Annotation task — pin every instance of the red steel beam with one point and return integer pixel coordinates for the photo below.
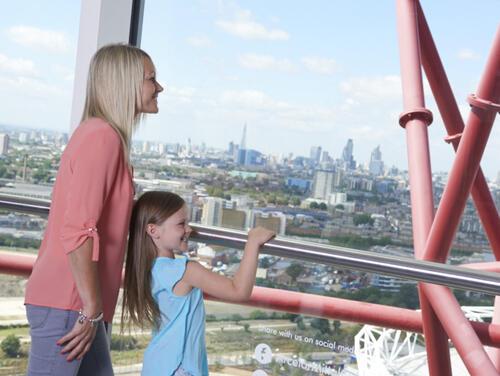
(415, 120)
(463, 174)
(454, 124)
(468, 156)
(302, 303)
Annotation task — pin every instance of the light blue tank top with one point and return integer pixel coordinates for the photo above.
(180, 340)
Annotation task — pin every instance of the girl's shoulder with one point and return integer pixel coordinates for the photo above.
(166, 272)
(170, 263)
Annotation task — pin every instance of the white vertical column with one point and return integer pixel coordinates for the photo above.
(101, 22)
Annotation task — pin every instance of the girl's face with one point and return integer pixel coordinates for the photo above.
(172, 234)
(150, 89)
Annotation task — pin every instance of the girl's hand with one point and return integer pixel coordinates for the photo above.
(260, 235)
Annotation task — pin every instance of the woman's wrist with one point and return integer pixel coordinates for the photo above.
(93, 320)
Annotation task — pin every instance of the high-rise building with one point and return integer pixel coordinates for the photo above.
(376, 164)
(315, 154)
(243, 143)
(233, 218)
(4, 143)
(323, 184)
(162, 148)
(23, 137)
(212, 211)
(274, 221)
(347, 156)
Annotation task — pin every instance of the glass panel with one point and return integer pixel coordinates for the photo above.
(37, 60)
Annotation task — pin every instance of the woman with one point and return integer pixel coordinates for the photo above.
(72, 292)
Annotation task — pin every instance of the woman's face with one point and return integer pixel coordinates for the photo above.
(150, 89)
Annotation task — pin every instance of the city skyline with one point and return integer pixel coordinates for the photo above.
(296, 74)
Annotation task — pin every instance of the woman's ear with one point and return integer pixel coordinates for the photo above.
(151, 230)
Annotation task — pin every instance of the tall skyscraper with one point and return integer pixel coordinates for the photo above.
(315, 154)
(376, 164)
(347, 156)
(323, 184)
(4, 143)
(243, 143)
(212, 211)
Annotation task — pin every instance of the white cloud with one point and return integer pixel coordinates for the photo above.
(265, 111)
(320, 65)
(63, 72)
(21, 67)
(373, 88)
(178, 95)
(30, 87)
(252, 99)
(34, 37)
(266, 62)
(199, 41)
(244, 27)
(467, 54)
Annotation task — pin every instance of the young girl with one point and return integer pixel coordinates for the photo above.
(167, 292)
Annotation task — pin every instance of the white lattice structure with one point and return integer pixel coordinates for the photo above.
(387, 352)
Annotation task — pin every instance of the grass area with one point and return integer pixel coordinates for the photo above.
(22, 331)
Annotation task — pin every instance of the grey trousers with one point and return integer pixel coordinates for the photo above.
(47, 325)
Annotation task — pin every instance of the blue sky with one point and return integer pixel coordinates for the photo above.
(298, 73)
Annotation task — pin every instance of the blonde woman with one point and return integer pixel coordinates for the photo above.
(72, 292)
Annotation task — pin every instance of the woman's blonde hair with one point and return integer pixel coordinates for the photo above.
(114, 89)
(138, 305)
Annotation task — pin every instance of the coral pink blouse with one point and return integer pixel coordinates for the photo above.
(92, 197)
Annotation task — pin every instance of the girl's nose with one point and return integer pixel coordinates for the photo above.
(159, 88)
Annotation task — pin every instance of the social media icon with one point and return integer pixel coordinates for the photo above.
(263, 353)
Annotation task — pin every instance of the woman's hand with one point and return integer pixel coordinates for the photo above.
(260, 235)
(78, 341)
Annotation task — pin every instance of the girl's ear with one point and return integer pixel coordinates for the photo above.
(151, 230)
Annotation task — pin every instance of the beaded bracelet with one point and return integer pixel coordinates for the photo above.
(82, 317)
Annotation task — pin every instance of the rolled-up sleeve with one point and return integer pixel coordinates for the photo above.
(93, 171)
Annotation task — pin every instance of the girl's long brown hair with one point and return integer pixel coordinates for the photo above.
(138, 306)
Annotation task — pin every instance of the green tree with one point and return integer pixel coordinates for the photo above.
(408, 296)
(322, 206)
(265, 263)
(11, 346)
(294, 270)
(258, 315)
(361, 219)
(313, 205)
(236, 318)
(123, 343)
(336, 325)
(322, 325)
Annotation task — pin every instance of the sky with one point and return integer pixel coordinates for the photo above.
(297, 73)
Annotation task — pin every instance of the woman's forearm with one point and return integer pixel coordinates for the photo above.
(85, 274)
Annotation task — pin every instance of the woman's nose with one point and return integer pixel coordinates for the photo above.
(159, 88)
